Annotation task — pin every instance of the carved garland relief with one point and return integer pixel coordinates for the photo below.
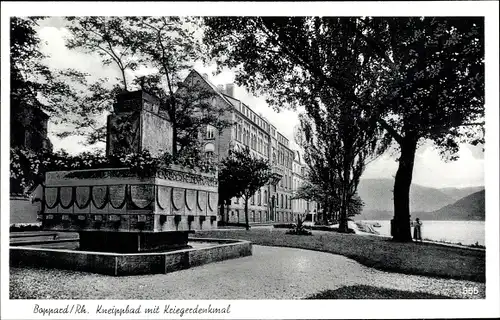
(163, 197)
(202, 201)
(190, 199)
(212, 201)
(138, 196)
(178, 198)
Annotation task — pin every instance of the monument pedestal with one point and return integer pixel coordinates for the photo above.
(118, 210)
(133, 242)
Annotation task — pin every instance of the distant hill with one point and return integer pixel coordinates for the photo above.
(459, 193)
(378, 197)
(471, 207)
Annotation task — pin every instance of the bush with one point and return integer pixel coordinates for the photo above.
(301, 232)
(299, 229)
(22, 227)
(27, 169)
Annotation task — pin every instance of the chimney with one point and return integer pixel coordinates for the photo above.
(220, 87)
(205, 76)
(230, 89)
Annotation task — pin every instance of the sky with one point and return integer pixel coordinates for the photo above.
(430, 170)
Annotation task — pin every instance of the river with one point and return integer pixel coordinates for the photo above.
(465, 232)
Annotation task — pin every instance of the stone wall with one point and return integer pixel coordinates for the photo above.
(117, 200)
(157, 133)
(137, 124)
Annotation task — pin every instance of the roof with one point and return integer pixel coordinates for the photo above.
(212, 86)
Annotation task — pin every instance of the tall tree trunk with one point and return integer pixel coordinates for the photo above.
(172, 105)
(344, 201)
(247, 225)
(326, 207)
(402, 184)
(343, 227)
(125, 88)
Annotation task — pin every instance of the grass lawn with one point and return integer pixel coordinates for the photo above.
(409, 258)
(369, 292)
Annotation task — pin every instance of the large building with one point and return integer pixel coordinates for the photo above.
(273, 202)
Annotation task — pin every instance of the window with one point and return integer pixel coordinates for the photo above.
(265, 197)
(281, 200)
(209, 149)
(239, 132)
(260, 197)
(253, 199)
(210, 132)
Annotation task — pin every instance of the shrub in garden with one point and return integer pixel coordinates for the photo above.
(299, 229)
(27, 169)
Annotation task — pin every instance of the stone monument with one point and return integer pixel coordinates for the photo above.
(115, 210)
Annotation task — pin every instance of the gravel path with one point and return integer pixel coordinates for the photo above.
(271, 273)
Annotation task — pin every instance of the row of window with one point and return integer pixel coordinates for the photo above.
(253, 117)
(260, 198)
(285, 158)
(260, 216)
(251, 139)
(286, 202)
(282, 139)
(286, 182)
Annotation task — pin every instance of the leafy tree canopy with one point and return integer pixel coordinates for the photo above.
(167, 49)
(421, 78)
(242, 175)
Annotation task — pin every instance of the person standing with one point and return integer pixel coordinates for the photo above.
(417, 230)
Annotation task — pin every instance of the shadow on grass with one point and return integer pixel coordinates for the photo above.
(424, 259)
(369, 292)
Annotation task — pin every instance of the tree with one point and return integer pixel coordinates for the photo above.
(340, 136)
(167, 49)
(112, 38)
(242, 175)
(435, 91)
(355, 206)
(425, 77)
(36, 90)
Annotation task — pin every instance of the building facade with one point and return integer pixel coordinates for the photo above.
(307, 209)
(273, 202)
